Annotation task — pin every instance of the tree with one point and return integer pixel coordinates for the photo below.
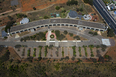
(110, 33)
(65, 32)
(34, 8)
(9, 24)
(57, 8)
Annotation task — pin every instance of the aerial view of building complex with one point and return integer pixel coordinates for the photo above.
(57, 38)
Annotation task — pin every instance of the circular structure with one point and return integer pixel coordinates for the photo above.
(24, 21)
(51, 36)
(73, 14)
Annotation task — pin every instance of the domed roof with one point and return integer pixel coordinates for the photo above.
(73, 14)
(24, 21)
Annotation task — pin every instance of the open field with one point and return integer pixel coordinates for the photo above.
(112, 52)
(28, 5)
(5, 5)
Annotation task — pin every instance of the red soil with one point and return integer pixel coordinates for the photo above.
(28, 5)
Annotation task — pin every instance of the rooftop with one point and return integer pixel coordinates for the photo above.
(24, 21)
(106, 42)
(66, 21)
(73, 14)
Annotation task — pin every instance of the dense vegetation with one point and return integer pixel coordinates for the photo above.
(89, 1)
(72, 2)
(110, 32)
(9, 25)
(38, 36)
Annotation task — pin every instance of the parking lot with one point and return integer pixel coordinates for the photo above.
(58, 53)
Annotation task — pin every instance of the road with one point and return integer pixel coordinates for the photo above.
(101, 8)
(96, 40)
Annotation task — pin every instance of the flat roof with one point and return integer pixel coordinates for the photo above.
(106, 42)
(52, 21)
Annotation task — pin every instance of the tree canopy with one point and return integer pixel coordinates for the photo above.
(110, 32)
(72, 2)
(89, 1)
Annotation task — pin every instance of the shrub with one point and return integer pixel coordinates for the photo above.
(46, 17)
(52, 36)
(57, 66)
(61, 37)
(28, 52)
(21, 15)
(17, 46)
(57, 8)
(63, 53)
(71, 34)
(76, 37)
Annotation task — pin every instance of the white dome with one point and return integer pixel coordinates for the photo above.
(24, 21)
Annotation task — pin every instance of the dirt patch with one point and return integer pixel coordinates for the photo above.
(13, 54)
(112, 52)
(28, 5)
(2, 51)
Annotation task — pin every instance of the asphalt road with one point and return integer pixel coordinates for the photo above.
(91, 40)
(101, 8)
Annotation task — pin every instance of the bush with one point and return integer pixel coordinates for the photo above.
(63, 11)
(76, 37)
(17, 46)
(21, 15)
(52, 36)
(62, 53)
(28, 53)
(65, 32)
(57, 66)
(46, 17)
(81, 9)
(103, 47)
(95, 33)
(61, 37)
(57, 8)
(71, 34)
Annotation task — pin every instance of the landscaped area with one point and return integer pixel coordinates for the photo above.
(59, 35)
